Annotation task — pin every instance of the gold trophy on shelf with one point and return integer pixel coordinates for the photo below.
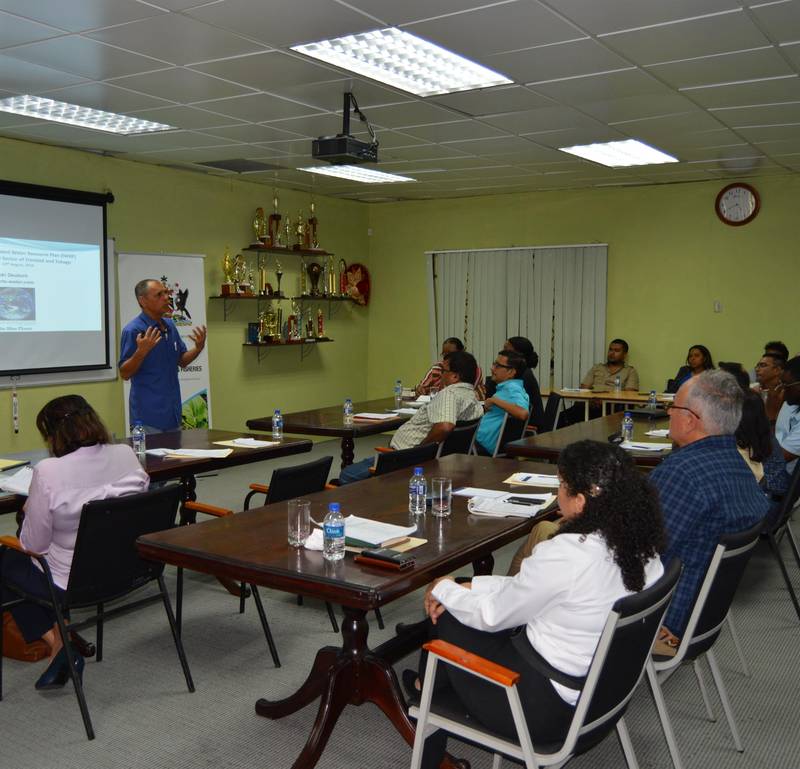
(274, 238)
(227, 273)
(330, 277)
(263, 285)
(239, 274)
(278, 275)
(260, 229)
(314, 271)
(312, 241)
(320, 323)
(299, 232)
(303, 281)
(287, 233)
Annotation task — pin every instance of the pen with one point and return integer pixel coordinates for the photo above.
(526, 477)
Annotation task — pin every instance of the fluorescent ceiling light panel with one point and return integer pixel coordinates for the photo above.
(358, 174)
(404, 61)
(620, 154)
(74, 114)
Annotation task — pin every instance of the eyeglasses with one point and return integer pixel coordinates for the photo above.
(672, 406)
(497, 364)
(785, 386)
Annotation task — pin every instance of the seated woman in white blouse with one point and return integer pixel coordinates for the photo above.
(607, 547)
(84, 466)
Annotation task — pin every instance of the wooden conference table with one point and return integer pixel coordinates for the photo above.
(251, 547)
(610, 397)
(549, 445)
(329, 421)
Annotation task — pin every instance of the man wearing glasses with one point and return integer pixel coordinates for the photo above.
(768, 376)
(509, 398)
(787, 427)
(705, 487)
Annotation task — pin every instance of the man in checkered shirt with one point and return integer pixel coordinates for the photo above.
(705, 487)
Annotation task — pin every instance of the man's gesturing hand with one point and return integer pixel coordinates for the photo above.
(148, 340)
(198, 336)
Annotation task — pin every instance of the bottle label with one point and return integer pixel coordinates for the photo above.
(333, 531)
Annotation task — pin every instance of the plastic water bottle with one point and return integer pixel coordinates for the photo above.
(652, 401)
(627, 427)
(417, 492)
(139, 440)
(617, 383)
(398, 393)
(347, 412)
(277, 425)
(333, 534)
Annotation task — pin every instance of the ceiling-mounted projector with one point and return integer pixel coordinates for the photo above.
(344, 149)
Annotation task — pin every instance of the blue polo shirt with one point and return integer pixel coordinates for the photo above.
(511, 391)
(155, 397)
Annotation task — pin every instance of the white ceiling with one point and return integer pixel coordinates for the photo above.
(714, 82)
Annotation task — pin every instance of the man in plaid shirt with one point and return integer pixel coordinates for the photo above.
(705, 487)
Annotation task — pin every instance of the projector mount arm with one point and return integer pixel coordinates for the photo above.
(351, 103)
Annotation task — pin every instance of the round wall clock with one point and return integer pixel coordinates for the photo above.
(737, 204)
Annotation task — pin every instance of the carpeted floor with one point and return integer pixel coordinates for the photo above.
(145, 718)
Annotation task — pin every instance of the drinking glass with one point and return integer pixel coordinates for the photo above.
(299, 521)
(441, 496)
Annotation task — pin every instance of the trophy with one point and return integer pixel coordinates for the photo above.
(227, 273)
(263, 289)
(262, 325)
(279, 275)
(287, 232)
(320, 324)
(303, 283)
(330, 277)
(260, 228)
(274, 234)
(299, 232)
(239, 273)
(309, 327)
(293, 324)
(312, 241)
(342, 278)
(314, 271)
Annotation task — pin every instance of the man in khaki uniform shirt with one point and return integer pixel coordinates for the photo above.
(603, 375)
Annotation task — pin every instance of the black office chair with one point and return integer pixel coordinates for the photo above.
(513, 430)
(106, 567)
(551, 413)
(779, 526)
(389, 461)
(617, 668)
(460, 440)
(706, 620)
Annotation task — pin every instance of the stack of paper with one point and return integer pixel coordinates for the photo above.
(375, 415)
(247, 443)
(19, 482)
(404, 411)
(658, 433)
(501, 507)
(367, 533)
(190, 453)
(533, 479)
(643, 446)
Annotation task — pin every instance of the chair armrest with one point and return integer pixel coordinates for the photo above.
(472, 662)
(200, 507)
(259, 487)
(13, 543)
(383, 449)
(330, 487)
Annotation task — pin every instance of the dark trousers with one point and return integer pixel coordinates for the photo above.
(33, 620)
(548, 716)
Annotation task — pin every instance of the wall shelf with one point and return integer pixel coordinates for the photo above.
(297, 251)
(278, 298)
(305, 345)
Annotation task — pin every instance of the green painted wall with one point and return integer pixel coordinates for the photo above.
(669, 259)
(158, 209)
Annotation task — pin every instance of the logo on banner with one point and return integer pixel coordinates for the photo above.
(178, 301)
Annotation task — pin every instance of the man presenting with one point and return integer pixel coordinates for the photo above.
(705, 487)
(151, 350)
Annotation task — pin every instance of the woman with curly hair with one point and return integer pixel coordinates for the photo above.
(556, 607)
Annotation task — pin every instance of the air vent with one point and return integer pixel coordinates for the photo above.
(240, 166)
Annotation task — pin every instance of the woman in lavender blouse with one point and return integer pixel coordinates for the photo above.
(84, 466)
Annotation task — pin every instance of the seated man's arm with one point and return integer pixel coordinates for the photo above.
(587, 383)
(439, 431)
(788, 456)
(632, 383)
(517, 412)
(789, 442)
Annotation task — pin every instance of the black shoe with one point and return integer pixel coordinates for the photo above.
(410, 678)
(57, 673)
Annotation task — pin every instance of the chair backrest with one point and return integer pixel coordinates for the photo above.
(395, 460)
(298, 480)
(106, 564)
(551, 412)
(620, 658)
(716, 594)
(513, 430)
(460, 439)
(789, 500)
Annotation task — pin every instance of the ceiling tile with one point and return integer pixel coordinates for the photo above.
(257, 108)
(543, 119)
(681, 40)
(551, 62)
(84, 57)
(718, 153)
(209, 154)
(284, 22)
(502, 145)
(740, 94)
(765, 114)
(188, 118)
(393, 13)
(722, 68)
(177, 39)
(423, 152)
(760, 134)
(793, 53)
(312, 126)
(248, 133)
(505, 27)
(464, 129)
(601, 17)
(269, 70)
(410, 114)
(490, 101)
(181, 85)
(21, 77)
(568, 137)
(390, 139)
(292, 147)
(636, 107)
(104, 96)
(80, 15)
(328, 95)
(17, 31)
(610, 85)
(779, 148)
(781, 21)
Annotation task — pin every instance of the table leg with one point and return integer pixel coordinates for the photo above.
(348, 453)
(483, 566)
